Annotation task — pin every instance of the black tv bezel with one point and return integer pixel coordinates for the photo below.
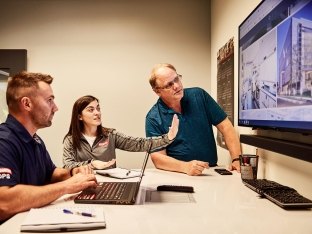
(259, 126)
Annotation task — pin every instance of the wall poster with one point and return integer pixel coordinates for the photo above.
(3, 85)
(225, 83)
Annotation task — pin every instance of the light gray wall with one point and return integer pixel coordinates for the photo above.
(107, 48)
(226, 16)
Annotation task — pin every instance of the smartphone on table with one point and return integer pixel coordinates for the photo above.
(223, 171)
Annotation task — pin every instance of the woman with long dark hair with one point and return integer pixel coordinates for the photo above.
(89, 143)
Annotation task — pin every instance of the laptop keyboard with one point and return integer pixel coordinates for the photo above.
(111, 191)
(283, 196)
(105, 191)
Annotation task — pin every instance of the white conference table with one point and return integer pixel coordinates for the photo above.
(222, 205)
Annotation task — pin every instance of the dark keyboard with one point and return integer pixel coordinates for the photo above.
(106, 190)
(111, 191)
(281, 195)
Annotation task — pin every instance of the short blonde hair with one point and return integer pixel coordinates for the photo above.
(153, 76)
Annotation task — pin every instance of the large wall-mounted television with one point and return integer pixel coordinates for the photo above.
(275, 66)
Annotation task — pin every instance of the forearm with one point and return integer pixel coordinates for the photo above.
(23, 197)
(60, 174)
(165, 162)
(233, 145)
(230, 137)
(139, 144)
(71, 164)
(161, 141)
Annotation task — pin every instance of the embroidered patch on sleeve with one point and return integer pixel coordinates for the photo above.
(5, 173)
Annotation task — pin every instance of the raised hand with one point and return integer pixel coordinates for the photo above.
(173, 130)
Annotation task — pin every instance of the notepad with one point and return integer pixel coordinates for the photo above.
(119, 173)
(53, 219)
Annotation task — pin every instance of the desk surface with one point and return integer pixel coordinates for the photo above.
(222, 205)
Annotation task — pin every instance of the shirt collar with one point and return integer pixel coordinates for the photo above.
(96, 138)
(19, 129)
(167, 110)
(164, 108)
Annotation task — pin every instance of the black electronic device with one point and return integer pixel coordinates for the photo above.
(223, 171)
(274, 57)
(284, 196)
(110, 192)
(176, 188)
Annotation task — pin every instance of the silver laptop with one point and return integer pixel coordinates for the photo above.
(119, 193)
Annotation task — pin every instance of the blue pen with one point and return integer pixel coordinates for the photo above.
(78, 213)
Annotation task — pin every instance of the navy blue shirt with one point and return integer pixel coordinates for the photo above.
(195, 139)
(23, 159)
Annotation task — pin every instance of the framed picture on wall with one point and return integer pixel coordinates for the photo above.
(12, 61)
(225, 82)
(3, 85)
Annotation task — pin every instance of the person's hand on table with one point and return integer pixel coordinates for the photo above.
(195, 167)
(79, 182)
(99, 165)
(235, 166)
(82, 169)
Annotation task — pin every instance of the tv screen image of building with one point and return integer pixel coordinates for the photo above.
(275, 66)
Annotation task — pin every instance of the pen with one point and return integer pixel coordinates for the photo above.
(128, 173)
(78, 213)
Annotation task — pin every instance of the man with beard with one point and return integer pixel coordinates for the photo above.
(28, 177)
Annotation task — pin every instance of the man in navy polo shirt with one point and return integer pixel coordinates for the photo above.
(28, 177)
(194, 148)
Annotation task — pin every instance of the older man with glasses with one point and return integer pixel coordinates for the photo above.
(194, 148)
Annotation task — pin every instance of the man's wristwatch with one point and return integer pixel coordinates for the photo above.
(71, 171)
(235, 159)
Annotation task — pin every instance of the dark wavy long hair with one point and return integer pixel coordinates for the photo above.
(76, 125)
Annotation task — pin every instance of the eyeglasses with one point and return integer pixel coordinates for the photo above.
(170, 84)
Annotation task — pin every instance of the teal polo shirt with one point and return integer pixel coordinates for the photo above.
(195, 139)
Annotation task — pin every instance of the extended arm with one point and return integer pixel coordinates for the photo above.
(231, 141)
(18, 198)
(138, 144)
(162, 161)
